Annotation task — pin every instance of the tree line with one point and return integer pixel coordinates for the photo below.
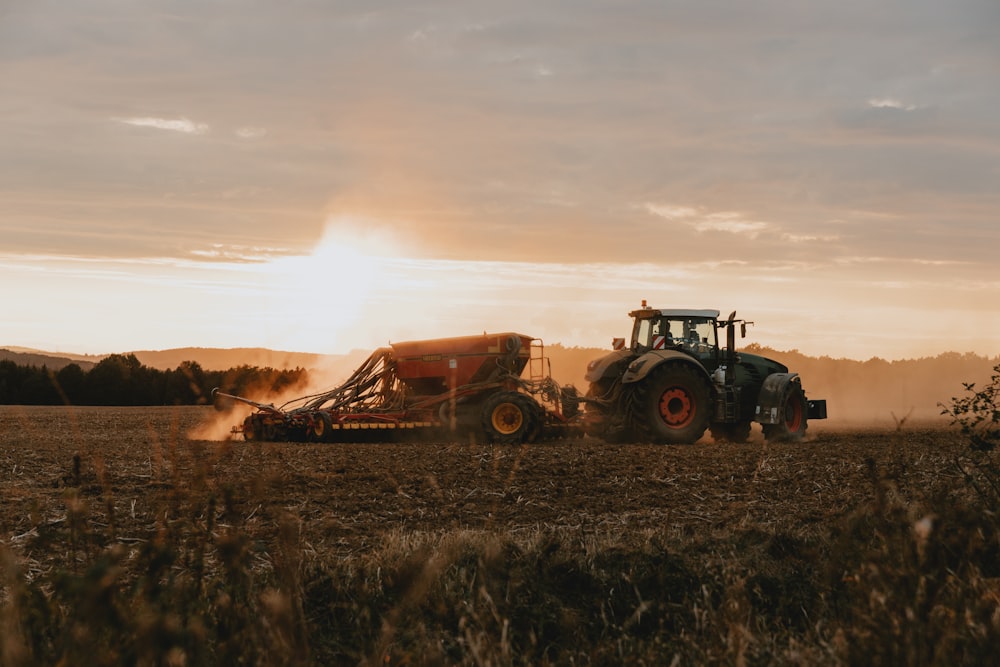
(124, 380)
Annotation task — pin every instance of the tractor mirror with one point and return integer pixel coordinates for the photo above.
(743, 330)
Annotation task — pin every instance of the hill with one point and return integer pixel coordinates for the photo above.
(207, 357)
(23, 356)
(223, 358)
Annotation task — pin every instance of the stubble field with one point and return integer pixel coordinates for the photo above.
(570, 552)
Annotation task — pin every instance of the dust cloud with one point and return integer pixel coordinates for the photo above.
(323, 375)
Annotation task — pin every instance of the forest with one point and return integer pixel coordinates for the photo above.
(122, 380)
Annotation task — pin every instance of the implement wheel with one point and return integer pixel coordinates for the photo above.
(793, 427)
(670, 406)
(321, 428)
(510, 418)
(250, 431)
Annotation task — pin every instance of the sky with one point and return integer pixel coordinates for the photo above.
(325, 176)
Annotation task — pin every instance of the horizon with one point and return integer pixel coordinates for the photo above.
(335, 178)
(857, 391)
(69, 354)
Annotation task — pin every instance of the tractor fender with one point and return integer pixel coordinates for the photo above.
(599, 368)
(771, 399)
(645, 364)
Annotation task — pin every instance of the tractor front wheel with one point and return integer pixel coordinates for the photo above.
(793, 427)
(510, 418)
(671, 405)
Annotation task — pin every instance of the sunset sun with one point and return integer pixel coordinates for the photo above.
(319, 296)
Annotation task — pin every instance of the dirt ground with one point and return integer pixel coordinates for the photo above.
(125, 462)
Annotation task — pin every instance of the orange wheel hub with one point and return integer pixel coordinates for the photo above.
(676, 407)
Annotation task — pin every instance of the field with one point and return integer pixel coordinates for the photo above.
(127, 542)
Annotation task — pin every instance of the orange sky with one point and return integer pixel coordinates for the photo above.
(321, 179)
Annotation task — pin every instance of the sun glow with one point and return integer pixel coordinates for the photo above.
(317, 298)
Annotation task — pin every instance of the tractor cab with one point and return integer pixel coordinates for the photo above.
(689, 331)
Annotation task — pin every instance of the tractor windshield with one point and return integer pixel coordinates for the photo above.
(695, 334)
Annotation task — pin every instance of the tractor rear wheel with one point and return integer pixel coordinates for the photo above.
(510, 418)
(670, 406)
(793, 427)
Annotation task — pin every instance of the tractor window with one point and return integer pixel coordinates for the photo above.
(644, 333)
(694, 334)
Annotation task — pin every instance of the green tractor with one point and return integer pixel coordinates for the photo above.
(674, 381)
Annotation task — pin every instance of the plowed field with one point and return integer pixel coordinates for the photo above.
(123, 540)
(125, 461)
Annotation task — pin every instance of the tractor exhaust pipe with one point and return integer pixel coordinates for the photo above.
(731, 349)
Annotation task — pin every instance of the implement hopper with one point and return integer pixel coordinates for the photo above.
(430, 367)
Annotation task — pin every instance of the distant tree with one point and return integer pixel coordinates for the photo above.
(252, 381)
(240, 380)
(112, 382)
(10, 382)
(185, 385)
(288, 379)
(146, 384)
(37, 387)
(70, 381)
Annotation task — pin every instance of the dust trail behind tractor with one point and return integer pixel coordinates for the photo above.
(463, 387)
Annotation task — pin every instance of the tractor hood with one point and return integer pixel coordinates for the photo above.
(600, 367)
(764, 365)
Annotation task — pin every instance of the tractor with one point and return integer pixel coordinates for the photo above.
(674, 381)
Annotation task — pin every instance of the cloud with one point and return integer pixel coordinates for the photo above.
(221, 252)
(671, 212)
(250, 132)
(860, 259)
(730, 222)
(890, 103)
(809, 238)
(182, 125)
